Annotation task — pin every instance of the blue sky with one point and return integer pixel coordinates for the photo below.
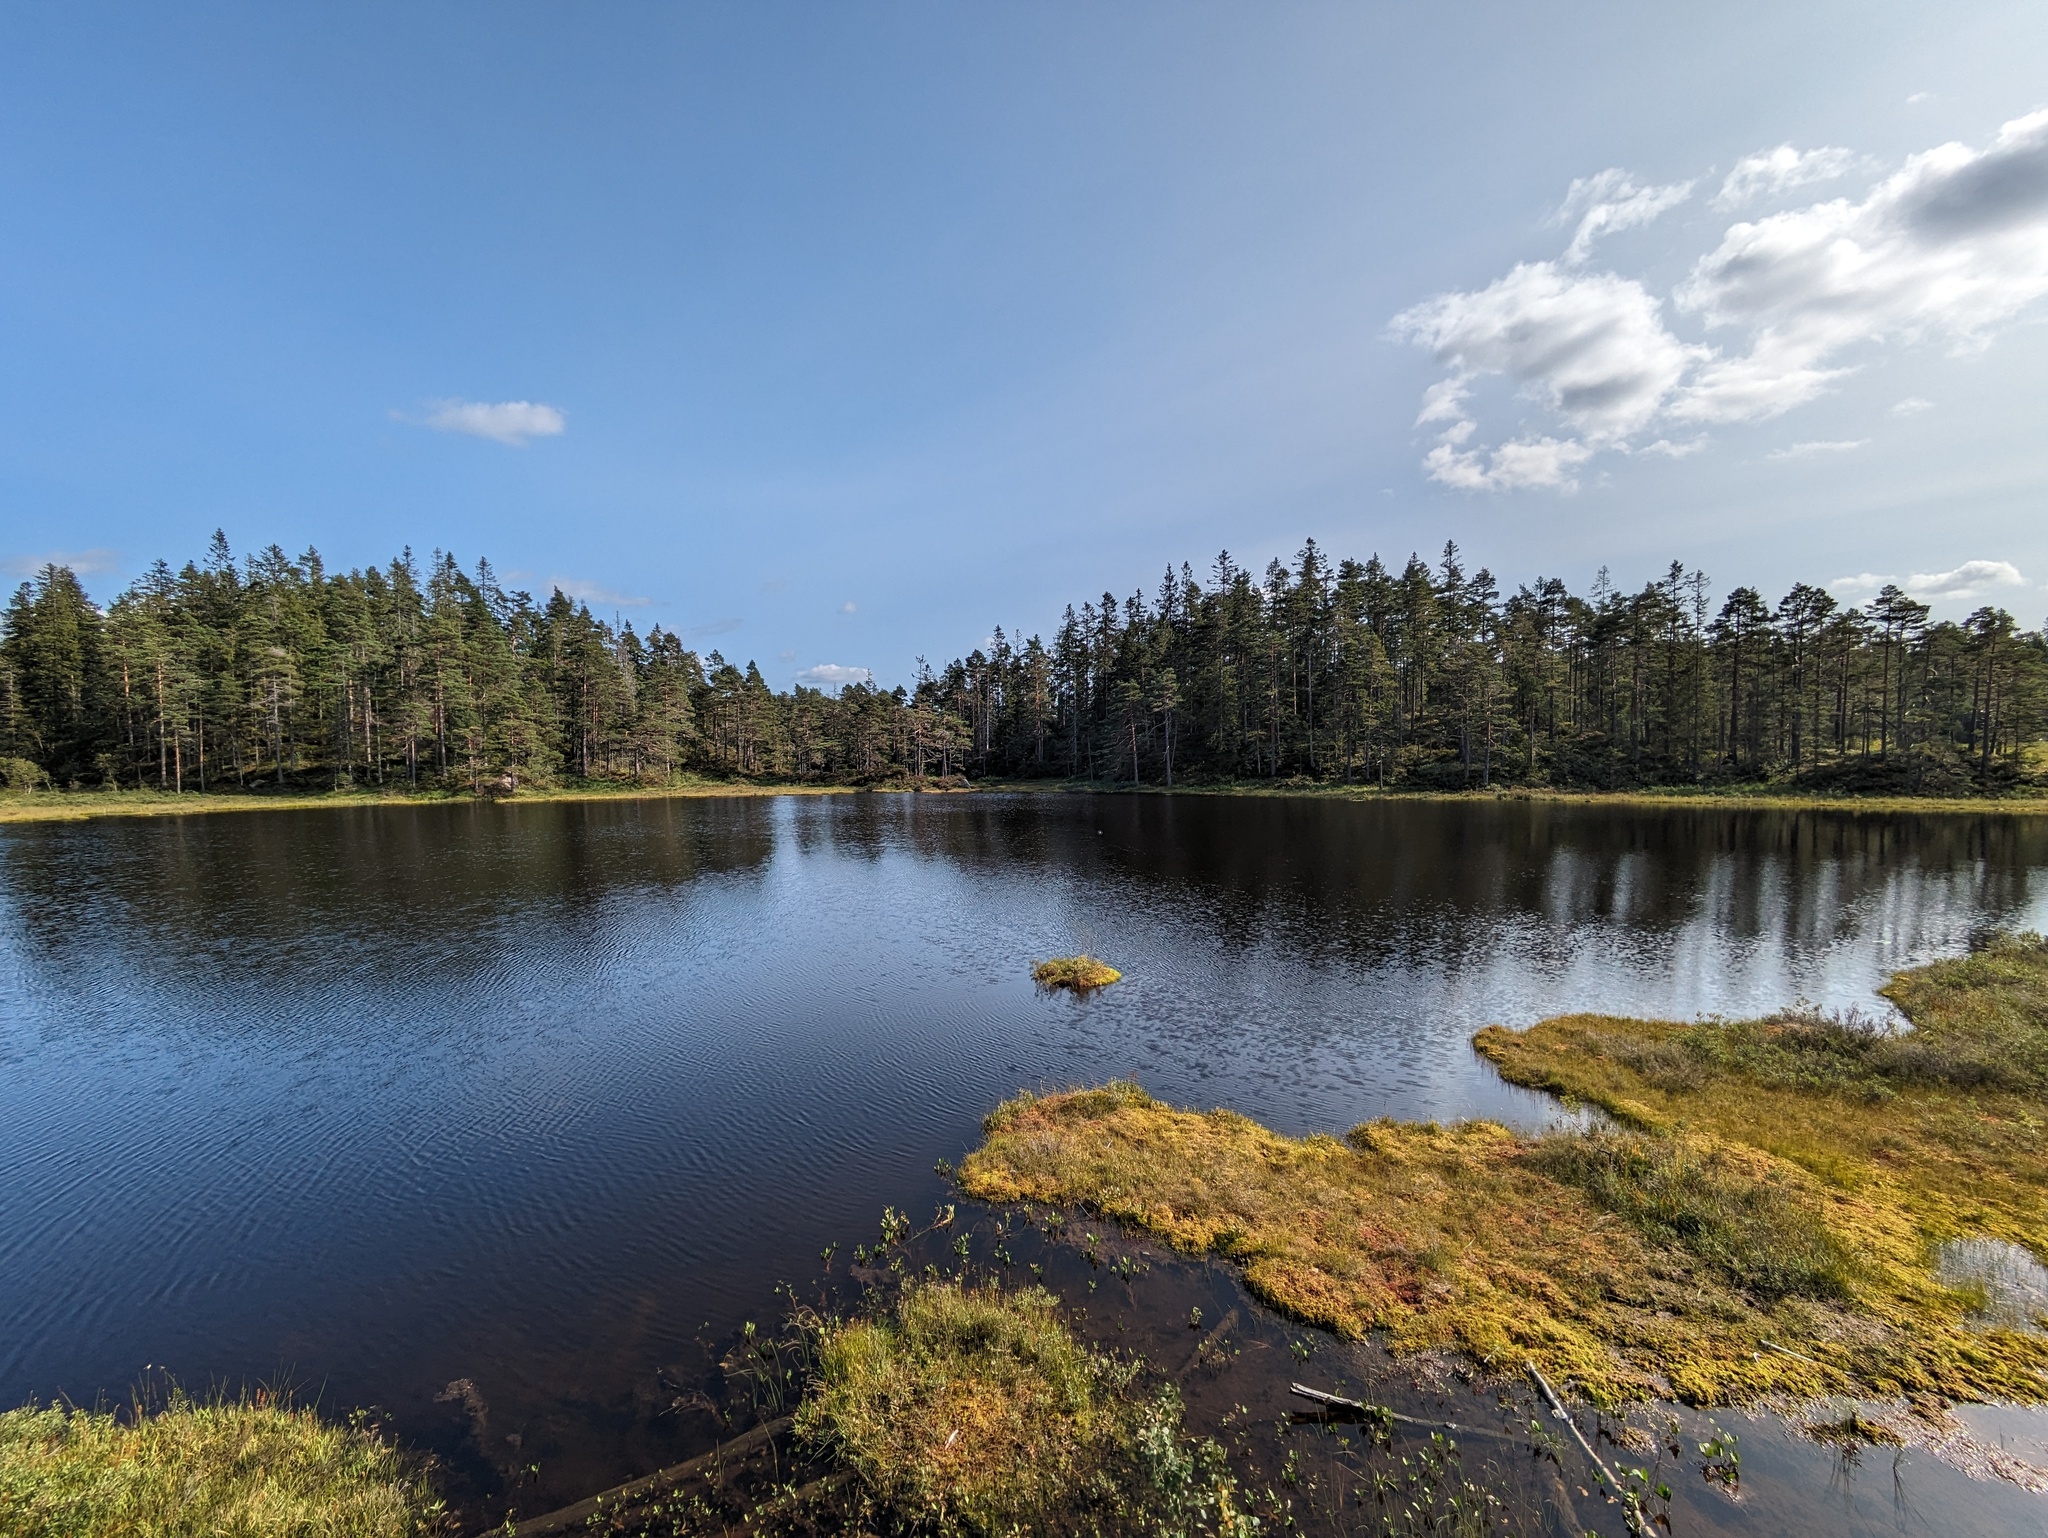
(835, 334)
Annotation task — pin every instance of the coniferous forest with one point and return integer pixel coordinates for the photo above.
(275, 672)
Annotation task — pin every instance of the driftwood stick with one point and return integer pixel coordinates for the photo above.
(1339, 1402)
(1614, 1486)
(1771, 1345)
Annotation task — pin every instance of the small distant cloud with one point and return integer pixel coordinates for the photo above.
(847, 607)
(1918, 97)
(1912, 406)
(1609, 201)
(710, 628)
(86, 563)
(1972, 579)
(507, 422)
(1819, 446)
(1771, 173)
(785, 656)
(832, 675)
(592, 592)
(1680, 450)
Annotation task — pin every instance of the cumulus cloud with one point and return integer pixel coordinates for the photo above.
(592, 592)
(1972, 579)
(1610, 201)
(1948, 248)
(509, 422)
(1969, 581)
(1912, 406)
(1818, 446)
(85, 563)
(1593, 347)
(1773, 173)
(832, 675)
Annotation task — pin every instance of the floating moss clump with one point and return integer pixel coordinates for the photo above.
(975, 1411)
(245, 1467)
(1077, 974)
(1767, 1219)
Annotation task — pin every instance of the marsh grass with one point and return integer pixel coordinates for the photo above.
(1077, 974)
(971, 1410)
(1743, 1216)
(1766, 1220)
(223, 1468)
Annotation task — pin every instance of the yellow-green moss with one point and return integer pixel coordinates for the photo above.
(1765, 1203)
(1077, 974)
(231, 1469)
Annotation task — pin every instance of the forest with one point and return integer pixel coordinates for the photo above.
(273, 672)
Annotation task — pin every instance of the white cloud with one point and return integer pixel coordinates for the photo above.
(84, 563)
(1949, 247)
(1919, 97)
(847, 607)
(1772, 173)
(510, 422)
(1972, 579)
(591, 592)
(832, 675)
(1912, 406)
(1610, 201)
(1592, 347)
(1522, 464)
(1819, 446)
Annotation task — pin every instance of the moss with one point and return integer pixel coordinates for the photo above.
(247, 1469)
(972, 1410)
(1775, 1184)
(1077, 974)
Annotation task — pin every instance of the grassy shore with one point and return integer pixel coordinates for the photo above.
(1765, 1215)
(247, 1468)
(1749, 797)
(79, 805)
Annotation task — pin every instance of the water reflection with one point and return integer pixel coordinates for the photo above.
(540, 1096)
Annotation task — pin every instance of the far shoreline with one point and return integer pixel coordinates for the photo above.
(41, 806)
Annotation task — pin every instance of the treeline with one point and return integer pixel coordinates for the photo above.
(276, 672)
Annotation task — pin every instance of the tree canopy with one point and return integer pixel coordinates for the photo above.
(275, 671)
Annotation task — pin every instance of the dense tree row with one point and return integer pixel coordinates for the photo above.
(275, 671)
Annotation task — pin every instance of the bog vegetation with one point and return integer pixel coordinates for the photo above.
(1076, 974)
(243, 1468)
(274, 671)
(1764, 1213)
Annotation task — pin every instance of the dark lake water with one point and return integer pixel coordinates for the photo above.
(549, 1097)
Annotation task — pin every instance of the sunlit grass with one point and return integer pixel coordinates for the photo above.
(243, 1468)
(976, 1411)
(1777, 1187)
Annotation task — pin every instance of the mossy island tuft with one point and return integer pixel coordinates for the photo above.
(1076, 974)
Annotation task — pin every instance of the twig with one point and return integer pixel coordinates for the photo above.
(1635, 1521)
(1339, 1402)
(1809, 1361)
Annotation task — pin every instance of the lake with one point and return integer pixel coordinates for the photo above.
(546, 1099)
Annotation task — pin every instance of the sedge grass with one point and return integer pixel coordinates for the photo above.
(974, 1411)
(243, 1468)
(1076, 974)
